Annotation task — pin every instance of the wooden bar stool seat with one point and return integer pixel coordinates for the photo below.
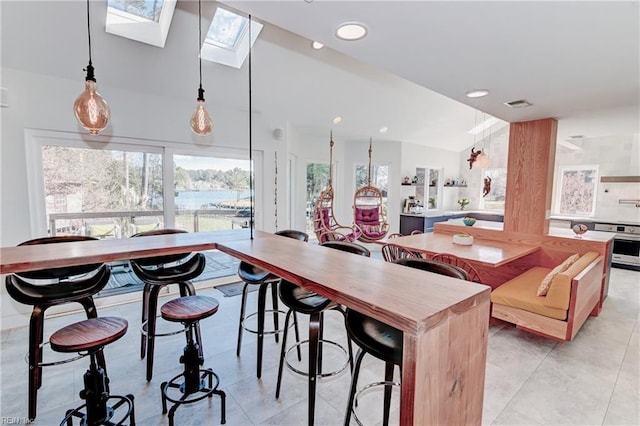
(194, 383)
(92, 335)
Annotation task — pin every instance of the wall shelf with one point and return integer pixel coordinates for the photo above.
(455, 186)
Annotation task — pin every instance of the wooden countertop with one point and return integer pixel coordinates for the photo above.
(483, 251)
(407, 298)
(29, 258)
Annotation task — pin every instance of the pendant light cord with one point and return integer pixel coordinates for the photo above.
(89, 69)
(200, 89)
(250, 140)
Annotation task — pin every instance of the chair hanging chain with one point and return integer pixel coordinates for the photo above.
(330, 158)
(250, 140)
(369, 170)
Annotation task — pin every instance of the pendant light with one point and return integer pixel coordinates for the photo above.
(483, 159)
(201, 123)
(91, 110)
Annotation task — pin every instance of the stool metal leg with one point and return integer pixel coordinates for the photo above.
(151, 327)
(262, 296)
(274, 302)
(315, 324)
(388, 377)
(36, 331)
(243, 306)
(283, 350)
(145, 317)
(354, 384)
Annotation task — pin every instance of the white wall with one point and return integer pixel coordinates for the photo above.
(615, 156)
(413, 155)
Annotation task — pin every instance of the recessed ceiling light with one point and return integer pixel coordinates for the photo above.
(317, 45)
(337, 120)
(351, 31)
(384, 129)
(478, 93)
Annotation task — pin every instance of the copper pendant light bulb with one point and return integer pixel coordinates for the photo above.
(201, 123)
(482, 161)
(90, 109)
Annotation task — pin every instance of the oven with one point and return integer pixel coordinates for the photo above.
(626, 245)
(626, 249)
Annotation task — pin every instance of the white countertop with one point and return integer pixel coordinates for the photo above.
(441, 213)
(593, 219)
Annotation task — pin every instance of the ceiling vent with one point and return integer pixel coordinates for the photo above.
(518, 104)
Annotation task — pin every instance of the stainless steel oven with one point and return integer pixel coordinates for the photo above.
(626, 244)
(626, 249)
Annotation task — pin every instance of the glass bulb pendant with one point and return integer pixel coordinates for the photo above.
(482, 161)
(91, 110)
(201, 123)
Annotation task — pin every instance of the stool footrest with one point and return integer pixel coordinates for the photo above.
(321, 342)
(206, 390)
(365, 389)
(267, 311)
(111, 412)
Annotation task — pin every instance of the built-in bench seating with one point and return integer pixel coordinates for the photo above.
(573, 295)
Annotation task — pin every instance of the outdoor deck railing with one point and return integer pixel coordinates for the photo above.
(121, 224)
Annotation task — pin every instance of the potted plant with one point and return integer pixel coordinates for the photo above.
(463, 202)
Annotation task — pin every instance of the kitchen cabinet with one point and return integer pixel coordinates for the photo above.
(413, 222)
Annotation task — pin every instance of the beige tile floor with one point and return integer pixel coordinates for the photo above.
(529, 380)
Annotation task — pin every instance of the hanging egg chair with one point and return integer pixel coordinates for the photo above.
(325, 225)
(368, 212)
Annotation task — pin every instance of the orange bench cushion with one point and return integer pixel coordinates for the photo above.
(520, 292)
(560, 291)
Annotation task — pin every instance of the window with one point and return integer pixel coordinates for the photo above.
(577, 190)
(147, 21)
(226, 40)
(101, 193)
(317, 180)
(494, 200)
(211, 194)
(379, 179)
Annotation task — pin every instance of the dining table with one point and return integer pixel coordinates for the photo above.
(444, 320)
(486, 252)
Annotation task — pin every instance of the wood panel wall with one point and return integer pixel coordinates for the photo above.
(530, 167)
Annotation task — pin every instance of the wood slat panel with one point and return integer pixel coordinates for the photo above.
(530, 166)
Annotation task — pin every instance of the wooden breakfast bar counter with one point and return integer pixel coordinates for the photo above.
(444, 320)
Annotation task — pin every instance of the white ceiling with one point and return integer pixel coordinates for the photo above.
(576, 61)
(567, 58)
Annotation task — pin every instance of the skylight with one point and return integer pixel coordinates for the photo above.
(145, 9)
(226, 40)
(146, 21)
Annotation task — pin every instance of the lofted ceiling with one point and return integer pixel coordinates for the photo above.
(567, 58)
(575, 61)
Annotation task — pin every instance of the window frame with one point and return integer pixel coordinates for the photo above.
(35, 139)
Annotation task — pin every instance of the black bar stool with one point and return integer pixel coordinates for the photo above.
(92, 336)
(384, 341)
(252, 275)
(50, 287)
(188, 311)
(300, 300)
(156, 273)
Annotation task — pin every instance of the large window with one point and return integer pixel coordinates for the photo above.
(577, 190)
(99, 192)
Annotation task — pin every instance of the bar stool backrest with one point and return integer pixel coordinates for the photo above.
(159, 260)
(58, 273)
(435, 267)
(292, 233)
(348, 247)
